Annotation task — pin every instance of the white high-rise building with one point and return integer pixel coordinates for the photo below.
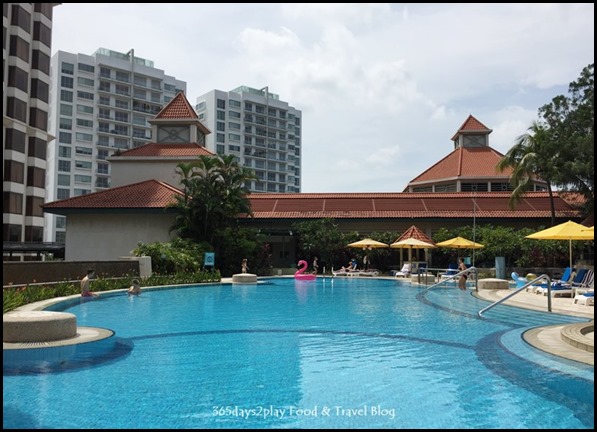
(262, 131)
(26, 52)
(99, 104)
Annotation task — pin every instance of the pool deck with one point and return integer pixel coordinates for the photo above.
(562, 340)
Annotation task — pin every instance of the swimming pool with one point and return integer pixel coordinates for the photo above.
(336, 353)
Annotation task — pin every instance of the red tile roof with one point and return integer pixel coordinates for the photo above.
(471, 125)
(149, 194)
(167, 150)
(416, 233)
(178, 108)
(154, 194)
(475, 162)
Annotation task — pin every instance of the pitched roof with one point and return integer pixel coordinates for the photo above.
(149, 194)
(167, 150)
(416, 233)
(178, 108)
(405, 205)
(472, 125)
(474, 162)
(155, 194)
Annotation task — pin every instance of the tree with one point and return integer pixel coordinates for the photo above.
(531, 157)
(571, 123)
(214, 195)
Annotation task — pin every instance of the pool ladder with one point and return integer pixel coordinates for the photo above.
(544, 277)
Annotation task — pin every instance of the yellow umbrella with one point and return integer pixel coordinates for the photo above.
(565, 231)
(368, 244)
(460, 243)
(410, 244)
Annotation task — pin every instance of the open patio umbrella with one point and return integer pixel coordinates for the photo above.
(410, 244)
(368, 244)
(565, 231)
(460, 243)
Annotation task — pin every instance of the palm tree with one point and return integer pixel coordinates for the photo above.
(214, 195)
(531, 158)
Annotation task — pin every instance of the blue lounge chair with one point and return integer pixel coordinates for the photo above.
(561, 289)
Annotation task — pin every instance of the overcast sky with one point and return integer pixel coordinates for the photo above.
(382, 87)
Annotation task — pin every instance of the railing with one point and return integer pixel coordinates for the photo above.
(544, 276)
(457, 275)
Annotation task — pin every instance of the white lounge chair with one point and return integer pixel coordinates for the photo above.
(405, 271)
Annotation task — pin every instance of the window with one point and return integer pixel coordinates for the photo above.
(14, 171)
(33, 207)
(15, 140)
(84, 151)
(105, 72)
(37, 148)
(234, 148)
(221, 126)
(85, 123)
(200, 106)
(102, 182)
(16, 108)
(121, 129)
(82, 178)
(86, 68)
(42, 33)
(83, 137)
(85, 95)
(62, 194)
(36, 177)
(66, 109)
(103, 168)
(234, 103)
(234, 137)
(220, 138)
(66, 123)
(66, 96)
(40, 61)
(61, 220)
(169, 87)
(12, 232)
(234, 114)
(63, 180)
(67, 82)
(65, 137)
(104, 100)
(122, 76)
(64, 166)
(79, 192)
(221, 104)
(121, 116)
(20, 48)
(64, 152)
(82, 165)
(102, 154)
(34, 233)
(235, 126)
(18, 78)
(84, 109)
(38, 118)
(44, 8)
(121, 104)
(221, 115)
(139, 120)
(85, 81)
(13, 203)
(21, 18)
(60, 235)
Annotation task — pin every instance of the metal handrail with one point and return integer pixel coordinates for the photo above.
(457, 275)
(544, 276)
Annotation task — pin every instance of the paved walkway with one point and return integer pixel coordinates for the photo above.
(549, 338)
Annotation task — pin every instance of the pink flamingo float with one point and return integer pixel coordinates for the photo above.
(300, 275)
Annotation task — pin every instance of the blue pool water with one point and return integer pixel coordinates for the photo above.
(336, 353)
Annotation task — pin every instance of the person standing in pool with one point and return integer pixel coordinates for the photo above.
(462, 267)
(85, 284)
(135, 288)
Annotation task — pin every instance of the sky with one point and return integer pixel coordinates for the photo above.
(382, 87)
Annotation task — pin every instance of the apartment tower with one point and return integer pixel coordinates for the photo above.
(26, 53)
(262, 131)
(99, 104)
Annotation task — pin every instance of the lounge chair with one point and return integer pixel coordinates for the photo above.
(588, 298)
(564, 279)
(351, 270)
(564, 289)
(405, 271)
(451, 271)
